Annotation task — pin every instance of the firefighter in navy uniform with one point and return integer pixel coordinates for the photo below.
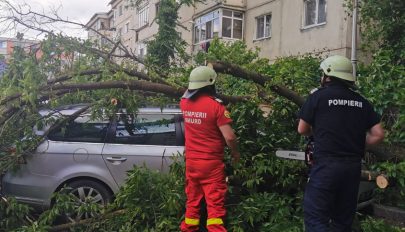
(342, 123)
(207, 132)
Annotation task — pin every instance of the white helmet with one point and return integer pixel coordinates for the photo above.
(339, 67)
(200, 77)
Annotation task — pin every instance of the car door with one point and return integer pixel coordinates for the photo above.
(145, 139)
(77, 144)
(70, 150)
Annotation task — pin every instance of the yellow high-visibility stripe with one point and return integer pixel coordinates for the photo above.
(191, 221)
(215, 221)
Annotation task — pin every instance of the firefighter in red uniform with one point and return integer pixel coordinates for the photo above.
(207, 131)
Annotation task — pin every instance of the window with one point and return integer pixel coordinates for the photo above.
(232, 22)
(263, 26)
(150, 129)
(114, 18)
(3, 44)
(157, 8)
(315, 12)
(120, 10)
(208, 26)
(143, 14)
(98, 25)
(142, 49)
(81, 130)
(126, 28)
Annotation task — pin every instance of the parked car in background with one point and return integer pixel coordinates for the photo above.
(92, 157)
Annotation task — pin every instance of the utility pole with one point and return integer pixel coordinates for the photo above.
(354, 38)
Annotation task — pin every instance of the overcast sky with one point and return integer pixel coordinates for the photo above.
(73, 10)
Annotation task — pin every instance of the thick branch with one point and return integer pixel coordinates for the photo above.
(70, 76)
(263, 80)
(135, 85)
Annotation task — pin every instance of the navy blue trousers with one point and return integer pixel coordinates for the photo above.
(330, 198)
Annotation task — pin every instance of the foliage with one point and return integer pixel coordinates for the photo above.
(232, 52)
(266, 212)
(167, 43)
(12, 214)
(382, 82)
(153, 202)
(372, 225)
(383, 24)
(395, 194)
(299, 73)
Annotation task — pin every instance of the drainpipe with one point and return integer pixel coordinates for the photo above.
(354, 38)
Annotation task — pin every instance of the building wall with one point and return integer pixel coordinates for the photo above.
(288, 36)
(100, 23)
(124, 14)
(186, 15)
(8, 45)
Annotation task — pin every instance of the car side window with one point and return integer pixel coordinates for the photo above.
(81, 130)
(146, 129)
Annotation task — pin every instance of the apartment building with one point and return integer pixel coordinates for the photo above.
(99, 27)
(278, 27)
(7, 46)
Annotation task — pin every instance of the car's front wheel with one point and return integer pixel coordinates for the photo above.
(85, 194)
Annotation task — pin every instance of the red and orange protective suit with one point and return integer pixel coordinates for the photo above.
(205, 169)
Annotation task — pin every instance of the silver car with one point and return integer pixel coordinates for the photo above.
(92, 157)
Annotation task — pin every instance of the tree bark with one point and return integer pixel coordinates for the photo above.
(263, 80)
(136, 85)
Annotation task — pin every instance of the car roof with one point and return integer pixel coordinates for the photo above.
(71, 109)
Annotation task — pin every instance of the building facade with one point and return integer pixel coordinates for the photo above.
(101, 25)
(7, 46)
(278, 27)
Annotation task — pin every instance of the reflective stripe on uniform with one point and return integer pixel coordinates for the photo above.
(215, 221)
(191, 221)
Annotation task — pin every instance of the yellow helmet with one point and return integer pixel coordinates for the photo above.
(200, 77)
(339, 67)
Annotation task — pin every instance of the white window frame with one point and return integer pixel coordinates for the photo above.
(142, 47)
(216, 15)
(143, 14)
(97, 24)
(316, 23)
(233, 18)
(126, 28)
(120, 12)
(3, 44)
(112, 23)
(265, 16)
(202, 21)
